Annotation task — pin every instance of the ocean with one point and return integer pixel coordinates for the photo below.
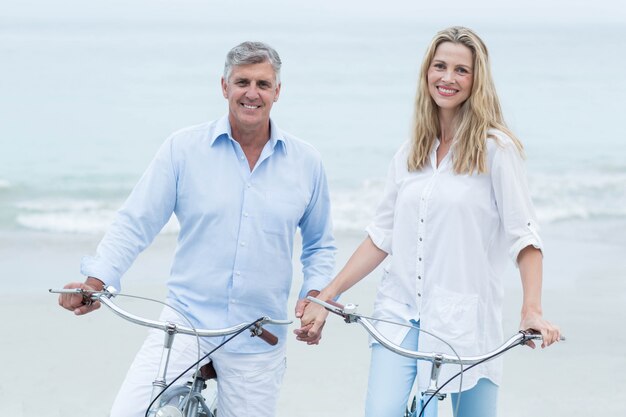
(89, 91)
(88, 98)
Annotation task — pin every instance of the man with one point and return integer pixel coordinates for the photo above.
(239, 187)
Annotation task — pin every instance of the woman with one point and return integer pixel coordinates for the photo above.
(456, 206)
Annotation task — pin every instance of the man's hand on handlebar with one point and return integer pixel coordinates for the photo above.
(81, 303)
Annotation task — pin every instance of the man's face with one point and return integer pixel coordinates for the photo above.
(251, 90)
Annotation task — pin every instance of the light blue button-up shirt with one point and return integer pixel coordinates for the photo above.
(233, 261)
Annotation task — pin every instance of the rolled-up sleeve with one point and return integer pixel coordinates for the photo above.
(513, 200)
(380, 230)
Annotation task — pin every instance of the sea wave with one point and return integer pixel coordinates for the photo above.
(4, 184)
(557, 197)
(354, 208)
(579, 195)
(72, 216)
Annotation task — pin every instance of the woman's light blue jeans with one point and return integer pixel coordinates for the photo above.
(391, 379)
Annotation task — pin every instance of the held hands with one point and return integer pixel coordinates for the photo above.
(312, 319)
(77, 302)
(535, 321)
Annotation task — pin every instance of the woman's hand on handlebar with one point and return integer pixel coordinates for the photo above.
(81, 303)
(535, 321)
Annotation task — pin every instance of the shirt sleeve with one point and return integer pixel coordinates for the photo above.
(141, 218)
(513, 200)
(318, 243)
(380, 230)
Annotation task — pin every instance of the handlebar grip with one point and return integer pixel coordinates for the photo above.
(267, 336)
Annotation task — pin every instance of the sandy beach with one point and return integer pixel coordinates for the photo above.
(55, 364)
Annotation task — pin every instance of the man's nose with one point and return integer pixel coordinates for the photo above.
(252, 91)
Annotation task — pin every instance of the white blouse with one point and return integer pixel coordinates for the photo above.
(448, 236)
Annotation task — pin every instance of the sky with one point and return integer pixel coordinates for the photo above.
(271, 11)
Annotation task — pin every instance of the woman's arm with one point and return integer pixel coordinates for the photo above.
(530, 263)
(312, 316)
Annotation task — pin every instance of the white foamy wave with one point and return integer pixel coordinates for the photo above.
(353, 209)
(4, 184)
(557, 197)
(579, 195)
(62, 205)
(72, 216)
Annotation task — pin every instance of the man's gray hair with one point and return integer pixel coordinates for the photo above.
(252, 53)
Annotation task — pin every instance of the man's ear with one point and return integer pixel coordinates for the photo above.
(224, 87)
(277, 92)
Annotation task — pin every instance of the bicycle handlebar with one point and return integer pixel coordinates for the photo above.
(105, 296)
(349, 314)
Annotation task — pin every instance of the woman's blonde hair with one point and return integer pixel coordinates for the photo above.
(479, 113)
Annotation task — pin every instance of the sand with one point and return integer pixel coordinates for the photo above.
(55, 364)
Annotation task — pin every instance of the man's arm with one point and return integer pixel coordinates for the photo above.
(318, 245)
(146, 210)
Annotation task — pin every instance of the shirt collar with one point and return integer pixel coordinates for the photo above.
(223, 129)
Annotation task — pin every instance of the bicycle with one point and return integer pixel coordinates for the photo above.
(349, 314)
(183, 400)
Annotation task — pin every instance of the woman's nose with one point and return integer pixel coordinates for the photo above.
(447, 76)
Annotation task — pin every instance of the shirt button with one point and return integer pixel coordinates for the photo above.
(248, 185)
(237, 273)
(245, 214)
(242, 157)
(243, 243)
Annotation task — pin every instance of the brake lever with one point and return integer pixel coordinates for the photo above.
(348, 312)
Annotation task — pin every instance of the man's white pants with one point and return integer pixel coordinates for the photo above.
(247, 384)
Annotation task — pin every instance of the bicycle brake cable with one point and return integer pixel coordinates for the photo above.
(420, 330)
(200, 360)
(421, 414)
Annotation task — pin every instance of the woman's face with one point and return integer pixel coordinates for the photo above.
(450, 75)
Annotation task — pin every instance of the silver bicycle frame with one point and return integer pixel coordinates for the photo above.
(170, 329)
(348, 312)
